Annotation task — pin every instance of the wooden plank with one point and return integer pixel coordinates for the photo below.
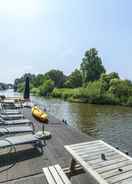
(85, 156)
(117, 151)
(103, 143)
(62, 174)
(96, 156)
(10, 111)
(96, 177)
(89, 146)
(85, 152)
(120, 177)
(116, 171)
(57, 178)
(86, 143)
(88, 157)
(107, 163)
(99, 160)
(49, 176)
(126, 181)
(15, 129)
(18, 121)
(12, 117)
(113, 166)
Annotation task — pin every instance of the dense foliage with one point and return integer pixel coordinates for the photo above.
(74, 80)
(57, 76)
(91, 66)
(90, 83)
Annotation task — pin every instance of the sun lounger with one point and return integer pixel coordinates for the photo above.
(13, 141)
(18, 106)
(10, 112)
(8, 101)
(15, 122)
(15, 129)
(12, 117)
(8, 106)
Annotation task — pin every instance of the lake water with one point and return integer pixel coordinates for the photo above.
(110, 123)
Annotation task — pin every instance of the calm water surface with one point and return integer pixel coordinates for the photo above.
(110, 123)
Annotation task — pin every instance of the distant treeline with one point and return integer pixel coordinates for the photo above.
(4, 86)
(90, 83)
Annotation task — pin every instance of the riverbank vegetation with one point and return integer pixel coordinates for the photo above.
(90, 83)
(4, 86)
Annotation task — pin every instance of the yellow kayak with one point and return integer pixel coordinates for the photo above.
(39, 115)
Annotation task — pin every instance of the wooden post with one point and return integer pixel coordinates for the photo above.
(43, 129)
(72, 167)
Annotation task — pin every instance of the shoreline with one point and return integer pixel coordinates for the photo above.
(82, 100)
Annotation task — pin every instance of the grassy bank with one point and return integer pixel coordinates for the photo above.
(115, 92)
(85, 95)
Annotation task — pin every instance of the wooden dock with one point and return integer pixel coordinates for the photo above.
(25, 167)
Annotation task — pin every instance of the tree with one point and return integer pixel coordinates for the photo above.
(20, 87)
(74, 80)
(106, 81)
(93, 88)
(46, 88)
(57, 76)
(120, 88)
(91, 66)
(38, 80)
(22, 80)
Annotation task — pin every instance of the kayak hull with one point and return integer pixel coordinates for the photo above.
(39, 115)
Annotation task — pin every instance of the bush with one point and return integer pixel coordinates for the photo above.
(35, 91)
(56, 93)
(90, 91)
(74, 80)
(46, 88)
(63, 93)
(129, 102)
(20, 87)
(120, 88)
(108, 99)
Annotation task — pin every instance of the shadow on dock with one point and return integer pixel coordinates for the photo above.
(26, 165)
(12, 158)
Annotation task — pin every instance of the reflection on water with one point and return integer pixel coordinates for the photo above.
(110, 123)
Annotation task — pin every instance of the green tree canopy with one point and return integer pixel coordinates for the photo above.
(38, 80)
(22, 80)
(91, 66)
(46, 87)
(106, 81)
(74, 80)
(120, 88)
(57, 76)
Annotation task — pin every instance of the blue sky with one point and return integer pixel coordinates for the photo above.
(39, 35)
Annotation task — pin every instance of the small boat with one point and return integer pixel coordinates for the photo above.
(39, 115)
